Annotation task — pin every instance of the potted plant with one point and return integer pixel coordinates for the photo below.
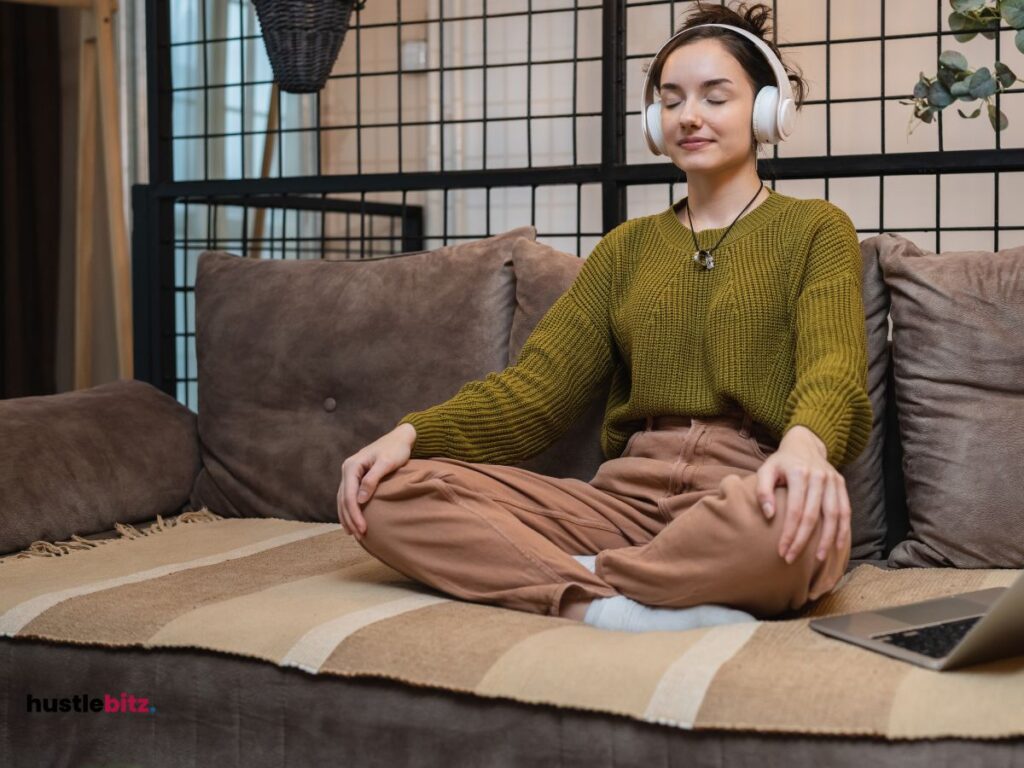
(955, 80)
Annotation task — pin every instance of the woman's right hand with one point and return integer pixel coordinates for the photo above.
(361, 472)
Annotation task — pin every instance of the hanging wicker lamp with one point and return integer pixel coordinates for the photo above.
(303, 38)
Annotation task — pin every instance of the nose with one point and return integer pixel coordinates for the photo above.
(689, 112)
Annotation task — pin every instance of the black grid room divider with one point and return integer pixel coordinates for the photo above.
(449, 120)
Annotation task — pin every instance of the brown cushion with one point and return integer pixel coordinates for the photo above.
(864, 475)
(78, 462)
(304, 362)
(958, 357)
(542, 275)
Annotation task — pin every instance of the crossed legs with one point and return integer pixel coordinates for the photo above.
(504, 535)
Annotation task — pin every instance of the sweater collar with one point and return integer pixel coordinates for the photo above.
(675, 234)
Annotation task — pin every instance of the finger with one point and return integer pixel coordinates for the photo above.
(808, 515)
(830, 514)
(341, 512)
(766, 479)
(366, 488)
(836, 566)
(352, 481)
(795, 481)
(340, 501)
(843, 538)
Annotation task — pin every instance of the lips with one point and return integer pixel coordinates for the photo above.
(694, 143)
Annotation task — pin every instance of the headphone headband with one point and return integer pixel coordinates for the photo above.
(784, 105)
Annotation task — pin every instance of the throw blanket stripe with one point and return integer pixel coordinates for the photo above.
(684, 685)
(144, 607)
(456, 642)
(580, 666)
(314, 647)
(15, 618)
(306, 595)
(295, 607)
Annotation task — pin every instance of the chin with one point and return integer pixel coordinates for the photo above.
(706, 160)
(684, 159)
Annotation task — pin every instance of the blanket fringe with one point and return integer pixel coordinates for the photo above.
(125, 531)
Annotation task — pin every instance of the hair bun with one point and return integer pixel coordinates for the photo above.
(754, 17)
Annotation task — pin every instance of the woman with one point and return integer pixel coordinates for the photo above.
(736, 385)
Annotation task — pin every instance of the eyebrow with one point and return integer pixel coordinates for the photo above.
(705, 84)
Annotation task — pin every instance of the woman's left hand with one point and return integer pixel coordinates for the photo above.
(816, 489)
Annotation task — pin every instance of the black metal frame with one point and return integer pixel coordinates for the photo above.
(153, 203)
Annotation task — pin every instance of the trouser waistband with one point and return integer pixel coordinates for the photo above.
(739, 419)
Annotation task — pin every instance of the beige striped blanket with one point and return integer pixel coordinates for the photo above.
(306, 595)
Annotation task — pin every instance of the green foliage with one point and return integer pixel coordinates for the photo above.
(955, 80)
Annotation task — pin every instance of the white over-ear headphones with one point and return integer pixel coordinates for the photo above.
(774, 111)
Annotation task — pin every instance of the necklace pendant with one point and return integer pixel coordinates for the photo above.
(704, 259)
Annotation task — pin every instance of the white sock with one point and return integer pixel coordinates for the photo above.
(587, 561)
(623, 613)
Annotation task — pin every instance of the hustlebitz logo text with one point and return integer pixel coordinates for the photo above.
(120, 704)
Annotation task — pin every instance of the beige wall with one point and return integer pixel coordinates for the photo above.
(855, 127)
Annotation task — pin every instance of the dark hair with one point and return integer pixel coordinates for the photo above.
(754, 19)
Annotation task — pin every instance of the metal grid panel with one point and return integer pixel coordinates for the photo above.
(525, 111)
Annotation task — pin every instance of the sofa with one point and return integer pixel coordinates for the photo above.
(175, 588)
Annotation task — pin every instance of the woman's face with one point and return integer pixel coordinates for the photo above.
(706, 94)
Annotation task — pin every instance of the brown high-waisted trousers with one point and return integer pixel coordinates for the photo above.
(674, 521)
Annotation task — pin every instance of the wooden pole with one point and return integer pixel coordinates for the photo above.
(268, 156)
(103, 11)
(86, 183)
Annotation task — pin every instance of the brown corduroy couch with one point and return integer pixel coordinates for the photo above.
(300, 363)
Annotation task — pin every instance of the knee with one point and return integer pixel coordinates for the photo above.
(407, 480)
(788, 586)
(747, 506)
(396, 491)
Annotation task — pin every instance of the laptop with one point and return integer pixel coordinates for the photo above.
(944, 633)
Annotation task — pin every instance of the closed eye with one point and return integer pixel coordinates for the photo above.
(676, 104)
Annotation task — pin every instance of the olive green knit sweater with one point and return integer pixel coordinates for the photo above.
(777, 326)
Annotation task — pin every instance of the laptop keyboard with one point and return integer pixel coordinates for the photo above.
(935, 641)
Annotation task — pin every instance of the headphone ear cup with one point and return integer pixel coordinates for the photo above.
(763, 118)
(654, 126)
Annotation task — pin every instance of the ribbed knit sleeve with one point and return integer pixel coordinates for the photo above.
(830, 396)
(515, 414)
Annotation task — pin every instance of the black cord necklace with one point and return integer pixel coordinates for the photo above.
(706, 258)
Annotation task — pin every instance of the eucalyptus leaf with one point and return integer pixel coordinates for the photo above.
(958, 22)
(1019, 41)
(975, 113)
(1005, 75)
(997, 118)
(947, 77)
(1012, 12)
(967, 5)
(938, 96)
(926, 116)
(963, 37)
(982, 85)
(960, 88)
(920, 89)
(953, 60)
